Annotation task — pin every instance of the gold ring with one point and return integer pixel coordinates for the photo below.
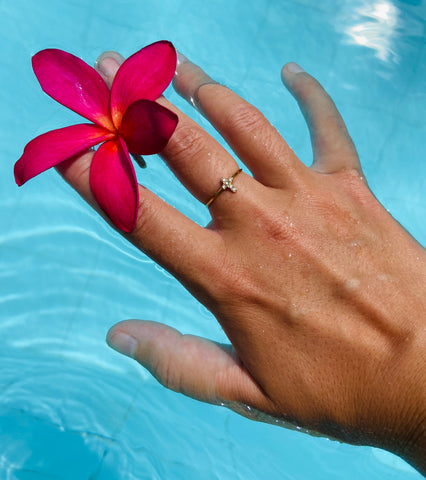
(226, 184)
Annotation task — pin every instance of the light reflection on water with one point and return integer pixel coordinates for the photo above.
(378, 28)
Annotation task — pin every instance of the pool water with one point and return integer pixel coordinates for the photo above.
(70, 407)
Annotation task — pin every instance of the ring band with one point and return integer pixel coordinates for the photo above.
(226, 184)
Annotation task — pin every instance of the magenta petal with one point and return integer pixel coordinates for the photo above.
(73, 83)
(54, 147)
(113, 183)
(147, 127)
(144, 75)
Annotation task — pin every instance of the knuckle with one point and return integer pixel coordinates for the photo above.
(233, 280)
(307, 88)
(186, 143)
(166, 374)
(245, 117)
(332, 122)
(237, 284)
(355, 183)
(280, 229)
(277, 230)
(146, 218)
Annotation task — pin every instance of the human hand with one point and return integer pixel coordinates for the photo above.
(320, 291)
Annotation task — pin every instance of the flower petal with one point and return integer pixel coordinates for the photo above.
(114, 185)
(53, 147)
(144, 75)
(73, 83)
(147, 127)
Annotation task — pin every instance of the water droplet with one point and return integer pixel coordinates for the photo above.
(352, 284)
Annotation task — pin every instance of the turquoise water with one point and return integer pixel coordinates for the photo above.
(71, 408)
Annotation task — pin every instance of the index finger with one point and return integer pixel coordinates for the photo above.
(163, 233)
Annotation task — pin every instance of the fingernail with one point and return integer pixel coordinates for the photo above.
(180, 59)
(189, 79)
(122, 343)
(107, 67)
(293, 67)
(108, 63)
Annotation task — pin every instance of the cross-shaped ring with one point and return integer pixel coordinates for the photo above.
(227, 184)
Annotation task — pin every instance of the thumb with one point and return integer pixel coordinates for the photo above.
(197, 367)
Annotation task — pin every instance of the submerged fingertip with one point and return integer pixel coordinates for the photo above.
(108, 63)
(289, 70)
(122, 342)
(293, 67)
(110, 54)
(180, 58)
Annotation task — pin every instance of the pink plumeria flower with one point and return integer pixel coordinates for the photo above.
(126, 119)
